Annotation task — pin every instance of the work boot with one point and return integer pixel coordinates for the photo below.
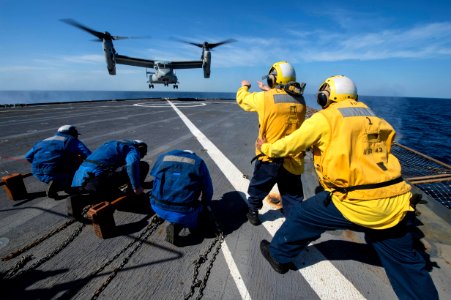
(52, 191)
(172, 231)
(278, 267)
(253, 218)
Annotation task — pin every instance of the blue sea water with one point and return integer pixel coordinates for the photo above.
(423, 124)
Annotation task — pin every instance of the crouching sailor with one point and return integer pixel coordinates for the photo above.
(55, 159)
(113, 165)
(181, 192)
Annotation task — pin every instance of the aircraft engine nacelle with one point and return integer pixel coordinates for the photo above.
(206, 63)
(110, 56)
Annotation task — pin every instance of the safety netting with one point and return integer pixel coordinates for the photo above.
(428, 174)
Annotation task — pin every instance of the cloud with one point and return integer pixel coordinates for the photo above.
(20, 69)
(424, 41)
(86, 58)
(421, 41)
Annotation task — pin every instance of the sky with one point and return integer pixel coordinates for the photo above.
(388, 48)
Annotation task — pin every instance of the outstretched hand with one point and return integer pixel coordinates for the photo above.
(246, 83)
(263, 86)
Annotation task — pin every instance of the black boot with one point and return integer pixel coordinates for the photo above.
(253, 218)
(52, 191)
(278, 267)
(172, 231)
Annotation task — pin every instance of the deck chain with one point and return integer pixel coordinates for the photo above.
(17, 271)
(19, 265)
(203, 258)
(51, 254)
(153, 225)
(37, 241)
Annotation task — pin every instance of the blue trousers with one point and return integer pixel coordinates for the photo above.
(405, 267)
(266, 175)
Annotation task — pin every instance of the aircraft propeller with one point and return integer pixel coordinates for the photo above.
(208, 46)
(100, 35)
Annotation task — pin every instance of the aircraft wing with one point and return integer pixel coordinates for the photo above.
(137, 62)
(193, 64)
(147, 63)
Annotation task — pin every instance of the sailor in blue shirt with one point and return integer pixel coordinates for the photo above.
(55, 159)
(112, 165)
(182, 189)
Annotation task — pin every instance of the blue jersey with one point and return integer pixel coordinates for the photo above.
(107, 158)
(56, 157)
(181, 179)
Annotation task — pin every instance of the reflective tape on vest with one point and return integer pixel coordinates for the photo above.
(356, 112)
(284, 98)
(181, 159)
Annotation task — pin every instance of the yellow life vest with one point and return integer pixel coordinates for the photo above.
(282, 115)
(357, 162)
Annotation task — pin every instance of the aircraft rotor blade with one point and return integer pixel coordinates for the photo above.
(207, 45)
(213, 45)
(188, 42)
(100, 35)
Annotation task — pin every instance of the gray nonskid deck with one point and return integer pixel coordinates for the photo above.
(159, 270)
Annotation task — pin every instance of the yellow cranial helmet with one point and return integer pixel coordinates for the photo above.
(280, 73)
(335, 89)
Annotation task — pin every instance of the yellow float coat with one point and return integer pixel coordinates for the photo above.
(351, 147)
(279, 114)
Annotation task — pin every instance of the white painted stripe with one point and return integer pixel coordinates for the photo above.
(215, 155)
(323, 277)
(190, 104)
(234, 272)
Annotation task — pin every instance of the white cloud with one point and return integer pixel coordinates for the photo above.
(86, 58)
(424, 41)
(249, 53)
(20, 69)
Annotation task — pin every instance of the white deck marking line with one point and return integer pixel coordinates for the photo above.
(215, 154)
(323, 277)
(166, 105)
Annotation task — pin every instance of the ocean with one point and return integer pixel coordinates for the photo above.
(423, 124)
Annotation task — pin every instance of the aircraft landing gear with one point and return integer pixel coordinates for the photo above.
(151, 86)
(176, 86)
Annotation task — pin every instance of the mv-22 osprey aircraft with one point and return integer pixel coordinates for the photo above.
(164, 70)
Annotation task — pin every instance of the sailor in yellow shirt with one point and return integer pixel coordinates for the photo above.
(363, 189)
(281, 110)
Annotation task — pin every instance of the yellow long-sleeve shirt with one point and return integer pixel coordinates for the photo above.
(279, 114)
(315, 132)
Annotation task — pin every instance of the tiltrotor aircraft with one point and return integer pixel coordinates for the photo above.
(164, 70)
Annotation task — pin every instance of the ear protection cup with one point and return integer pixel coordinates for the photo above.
(271, 80)
(323, 98)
